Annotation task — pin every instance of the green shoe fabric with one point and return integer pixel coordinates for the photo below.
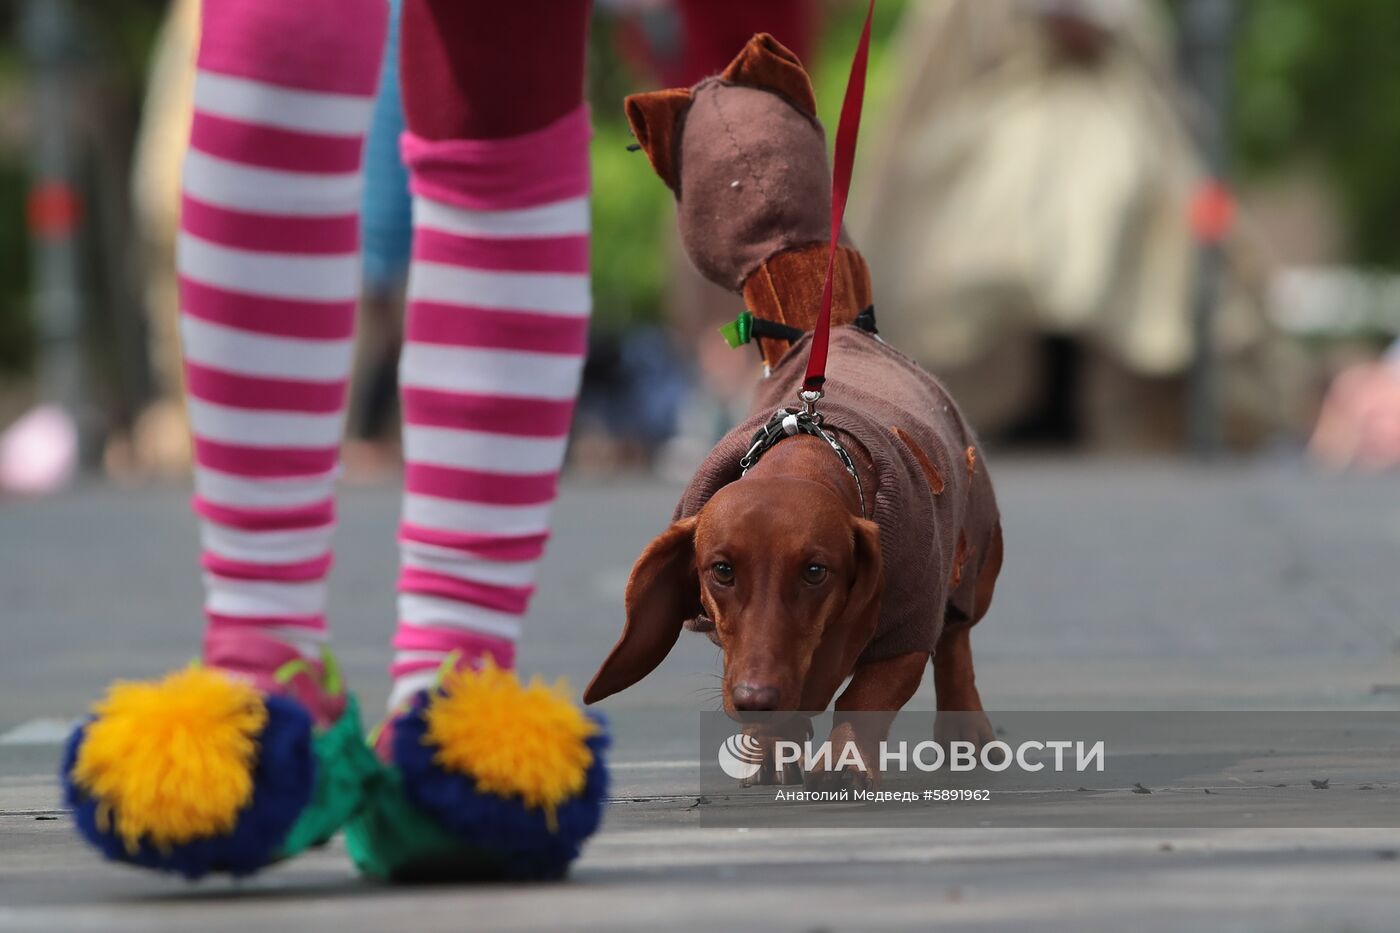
(345, 769)
(391, 839)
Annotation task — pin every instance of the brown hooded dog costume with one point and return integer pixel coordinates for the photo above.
(746, 158)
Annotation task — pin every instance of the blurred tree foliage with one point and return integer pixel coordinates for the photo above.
(1319, 81)
(16, 327)
(113, 41)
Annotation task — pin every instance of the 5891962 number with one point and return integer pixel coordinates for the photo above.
(959, 793)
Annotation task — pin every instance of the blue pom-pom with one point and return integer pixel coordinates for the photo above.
(283, 778)
(517, 839)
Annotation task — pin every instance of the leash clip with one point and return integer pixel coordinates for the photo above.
(809, 399)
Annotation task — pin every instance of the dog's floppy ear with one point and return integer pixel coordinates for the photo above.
(662, 593)
(767, 64)
(863, 601)
(655, 118)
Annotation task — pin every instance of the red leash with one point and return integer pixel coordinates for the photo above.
(845, 157)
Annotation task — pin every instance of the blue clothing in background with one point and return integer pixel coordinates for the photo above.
(386, 221)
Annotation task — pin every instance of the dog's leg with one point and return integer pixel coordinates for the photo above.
(876, 693)
(960, 716)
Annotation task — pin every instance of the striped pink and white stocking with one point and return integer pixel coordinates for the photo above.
(269, 275)
(496, 334)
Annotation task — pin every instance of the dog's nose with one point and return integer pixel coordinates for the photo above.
(752, 698)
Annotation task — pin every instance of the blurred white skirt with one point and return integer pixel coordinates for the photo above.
(1014, 191)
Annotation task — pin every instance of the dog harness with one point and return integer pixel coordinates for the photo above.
(787, 423)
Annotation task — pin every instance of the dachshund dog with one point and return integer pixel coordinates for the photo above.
(860, 549)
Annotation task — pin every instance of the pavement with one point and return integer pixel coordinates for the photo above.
(1129, 586)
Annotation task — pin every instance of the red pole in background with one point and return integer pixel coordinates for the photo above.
(1207, 38)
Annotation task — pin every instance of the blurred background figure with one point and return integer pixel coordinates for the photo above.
(372, 443)
(1026, 218)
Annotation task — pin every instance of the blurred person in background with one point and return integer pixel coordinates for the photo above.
(1027, 217)
(386, 226)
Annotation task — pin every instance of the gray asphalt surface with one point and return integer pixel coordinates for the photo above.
(1128, 586)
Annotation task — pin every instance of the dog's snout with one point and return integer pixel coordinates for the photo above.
(752, 698)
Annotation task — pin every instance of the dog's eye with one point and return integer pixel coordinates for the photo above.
(814, 574)
(723, 572)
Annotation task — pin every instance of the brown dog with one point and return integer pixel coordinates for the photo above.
(809, 570)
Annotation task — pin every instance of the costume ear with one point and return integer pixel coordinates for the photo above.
(767, 64)
(662, 593)
(656, 121)
(863, 601)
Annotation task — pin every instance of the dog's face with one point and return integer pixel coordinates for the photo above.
(788, 576)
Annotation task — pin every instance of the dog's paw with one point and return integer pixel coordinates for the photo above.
(848, 767)
(972, 727)
(771, 773)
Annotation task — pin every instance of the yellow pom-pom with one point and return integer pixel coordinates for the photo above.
(514, 740)
(172, 759)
